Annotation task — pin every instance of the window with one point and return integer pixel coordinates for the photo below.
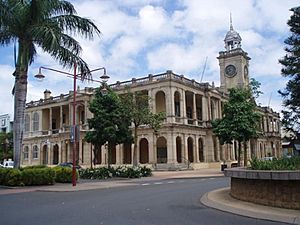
(25, 153)
(35, 152)
(35, 122)
(27, 123)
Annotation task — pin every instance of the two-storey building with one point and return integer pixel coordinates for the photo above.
(186, 137)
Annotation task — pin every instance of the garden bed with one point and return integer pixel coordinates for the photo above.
(279, 188)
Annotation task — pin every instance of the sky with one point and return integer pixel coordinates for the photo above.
(141, 37)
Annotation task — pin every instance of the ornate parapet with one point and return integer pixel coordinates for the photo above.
(272, 188)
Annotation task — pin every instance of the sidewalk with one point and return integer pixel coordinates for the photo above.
(220, 199)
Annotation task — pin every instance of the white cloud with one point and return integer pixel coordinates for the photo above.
(151, 36)
(7, 84)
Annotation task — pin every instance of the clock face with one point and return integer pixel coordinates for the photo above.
(230, 70)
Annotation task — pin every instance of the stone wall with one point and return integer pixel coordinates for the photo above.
(280, 190)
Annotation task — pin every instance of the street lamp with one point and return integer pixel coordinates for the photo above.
(104, 79)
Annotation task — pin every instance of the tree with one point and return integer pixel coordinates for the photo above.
(240, 120)
(137, 107)
(44, 24)
(291, 69)
(6, 145)
(110, 122)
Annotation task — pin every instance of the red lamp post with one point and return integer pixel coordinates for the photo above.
(73, 131)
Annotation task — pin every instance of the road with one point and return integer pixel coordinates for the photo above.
(156, 202)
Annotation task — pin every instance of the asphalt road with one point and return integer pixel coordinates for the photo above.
(164, 202)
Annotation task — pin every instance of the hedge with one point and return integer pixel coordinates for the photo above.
(63, 174)
(121, 171)
(292, 163)
(35, 175)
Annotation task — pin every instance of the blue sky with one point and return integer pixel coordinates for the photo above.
(140, 37)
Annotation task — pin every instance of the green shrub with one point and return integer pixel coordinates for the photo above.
(292, 163)
(97, 173)
(28, 176)
(121, 171)
(14, 178)
(34, 167)
(3, 175)
(64, 174)
(38, 176)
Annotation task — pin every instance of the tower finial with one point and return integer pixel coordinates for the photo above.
(231, 27)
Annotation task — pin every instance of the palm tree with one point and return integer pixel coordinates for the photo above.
(47, 24)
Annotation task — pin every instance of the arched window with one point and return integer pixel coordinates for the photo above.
(35, 152)
(160, 101)
(25, 153)
(27, 123)
(35, 126)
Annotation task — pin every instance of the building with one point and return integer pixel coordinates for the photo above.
(6, 125)
(186, 137)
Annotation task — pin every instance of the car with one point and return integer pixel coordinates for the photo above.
(8, 164)
(269, 158)
(69, 164)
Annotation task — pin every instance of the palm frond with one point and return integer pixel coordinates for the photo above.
(76, 24)
(5, 37)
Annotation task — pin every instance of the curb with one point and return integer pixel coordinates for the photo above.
(220, 199)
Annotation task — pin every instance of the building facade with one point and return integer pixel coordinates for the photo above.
(6, 125)
(186, 137)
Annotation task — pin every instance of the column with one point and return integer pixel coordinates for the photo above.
(209, 113)
(49, 155)
(60, 117)
(196, 155)
(79, 145)
(50, 121)
(171, 148)
(194, 110)
(186, 156)
(118, 154)
(85, 111)
(138, 149)
(104, 155)
(172, 105)
(70, 114)
(30, 154)
(151, 148)
(154, 149)
(204, 109)
(184, 108)
(59, 152)
(209, 150)
(220, 108)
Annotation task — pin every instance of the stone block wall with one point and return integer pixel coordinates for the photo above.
(278, 193)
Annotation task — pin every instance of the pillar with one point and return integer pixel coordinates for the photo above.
(195, 122)
(196, 155)
(171, 148)
(184, 108)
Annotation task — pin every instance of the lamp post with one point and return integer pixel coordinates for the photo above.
(73, 131)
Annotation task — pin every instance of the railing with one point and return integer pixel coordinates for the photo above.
(169, 75)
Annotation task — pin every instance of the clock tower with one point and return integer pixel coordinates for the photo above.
(234, 62)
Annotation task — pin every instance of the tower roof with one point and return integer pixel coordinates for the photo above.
(232, 39)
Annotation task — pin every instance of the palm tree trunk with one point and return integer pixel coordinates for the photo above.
(20, 92)
(135, 160)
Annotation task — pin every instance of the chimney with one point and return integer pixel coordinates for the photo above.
(47, 94)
